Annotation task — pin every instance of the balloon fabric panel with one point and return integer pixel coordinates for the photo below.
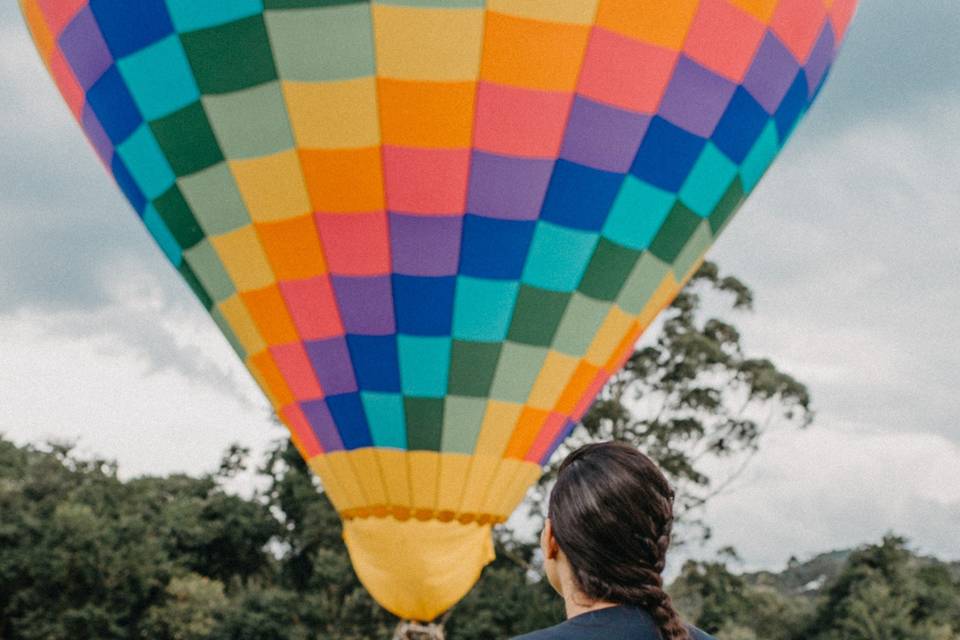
(433, 229)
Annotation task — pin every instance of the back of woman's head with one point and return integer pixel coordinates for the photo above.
(611, 511)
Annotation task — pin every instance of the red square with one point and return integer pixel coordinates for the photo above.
(312, 307)
(67, 82)
(426, 181)
(59, 13)
(520, 122)
(625, 73)
(798, 23)
(841, 13)
(355, 244)
(724, 39)
(300, 431)
(295, 367)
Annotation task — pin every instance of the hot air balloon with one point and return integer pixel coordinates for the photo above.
(432, 229)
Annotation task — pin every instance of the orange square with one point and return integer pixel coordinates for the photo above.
(624, 349)
(724, 39)
(548, 433)
(271, 377)
(426, 114)
(520, 122)
(313, 307)
(578, 385)
(659, 22)
(588, 396)
(533, 54)
(529, 425)
(293, 248)
(40, 28)
(625, 73)
(356, 244)
(344, 180)
(269, 313)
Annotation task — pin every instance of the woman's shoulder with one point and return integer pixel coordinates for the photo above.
(617, 623)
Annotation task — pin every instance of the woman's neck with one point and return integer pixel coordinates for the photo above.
(577, 603)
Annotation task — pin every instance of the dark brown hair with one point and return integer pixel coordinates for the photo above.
(611, 510)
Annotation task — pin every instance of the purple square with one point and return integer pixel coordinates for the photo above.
(318, 415)
(696, 98)
(820, 58)
(366, 304)
(97, 136)
(508, 188)
(332, 364)
(771, 73)
(84, 48)
(603, 137)
(425, 245)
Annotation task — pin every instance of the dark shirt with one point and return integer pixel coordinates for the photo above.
(613, 623)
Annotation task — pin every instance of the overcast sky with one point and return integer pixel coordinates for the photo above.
(851, 244)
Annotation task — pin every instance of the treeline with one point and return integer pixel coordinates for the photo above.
(84, 555)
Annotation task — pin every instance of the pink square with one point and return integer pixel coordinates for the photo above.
(625, 73)
(520, 122)
(548, 433)
(798, 23)
(312, 307)
(355, 244)
(426, 181)
(724, 39)
(841, 13)
(297, 372)
(67, 82)
(59, 13)
(301, 431)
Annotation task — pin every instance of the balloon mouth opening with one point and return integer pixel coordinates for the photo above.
(404, 514)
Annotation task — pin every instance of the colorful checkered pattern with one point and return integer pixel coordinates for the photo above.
(434, 228)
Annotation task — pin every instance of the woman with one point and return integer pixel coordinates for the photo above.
(604, 546)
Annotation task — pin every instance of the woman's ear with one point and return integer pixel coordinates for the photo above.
(547, 542)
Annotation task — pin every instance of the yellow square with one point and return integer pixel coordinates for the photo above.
(396, 476)
(272, 186)
(341, 469)
(553, 377)
(366, 466)
(424, 475)
(244, 328)
(454, 468)
(415, 43)
(243, 258)
(321, 466)
(333, 115)
(616, 325)
(569, 11)
(482, 471)
(498, 424)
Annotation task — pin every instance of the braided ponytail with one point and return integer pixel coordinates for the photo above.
(612, 512)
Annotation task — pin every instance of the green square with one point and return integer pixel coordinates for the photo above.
(424, 423)
(215, 53)
(250, 123)
(537, 315)
(323, 43)
(306, 4)
(699, 242)
(187, 140)
(191, 279)
(517, 372)
(176, 214)
(647, 275)
(610, 266)
(727, 207)
(680, 224)
(206, 265)
(580, 324)
(462, 420)
(472, 365)
(215, 200)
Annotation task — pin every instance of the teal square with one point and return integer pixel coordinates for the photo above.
(482, 308)
(190, 15)
(215, 200)
(206, 266)
(424, 363)
(250, 123)
(708, 181)
(637, 213)
(386, 419)
(145, 160)
(647, 275)
(165, 240)
(517, 372)
(764, 150)
(580, 324)
(462, 420)
(159, 78)
(558, 257)
(326, 43)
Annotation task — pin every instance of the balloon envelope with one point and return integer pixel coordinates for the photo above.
(432, 229)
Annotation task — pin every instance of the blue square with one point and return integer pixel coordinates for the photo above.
(708, 181)
(160, 78)
(351, 422)
(483, 308)
(637, 214)
(375, 362)
(129, 25)
(792, 107)
(494, 248)
(740, 125)
(165, 240)
(424, 365)
(580, 197)
(114, 107)
(127, 184)
(666, 155)
(558, 257)
(424, 305)
(149, 167)
(190, 15)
